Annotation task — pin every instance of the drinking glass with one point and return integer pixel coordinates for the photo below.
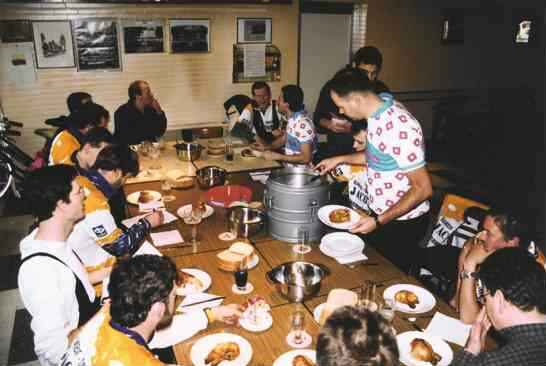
(387, 310)
(194, 219)
(367, 296)
(241, 277)
(166, 187)
(297, 327)
(154, 154)
(303, 242)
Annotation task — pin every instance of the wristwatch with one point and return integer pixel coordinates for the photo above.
(375, 217)
(466, 274)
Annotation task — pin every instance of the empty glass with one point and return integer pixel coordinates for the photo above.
(194, 219)
(303, 242)
(387, 309)
(166, 187)
(367, 295)
(297, 327)
(154, 153)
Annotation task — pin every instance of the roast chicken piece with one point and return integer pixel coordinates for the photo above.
(422, 350)
(300, 360)
(185, 279)
(407, 297)
(340, 215)
(227, 351)
(145, 197)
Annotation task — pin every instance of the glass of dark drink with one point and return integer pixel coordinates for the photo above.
(241, 277)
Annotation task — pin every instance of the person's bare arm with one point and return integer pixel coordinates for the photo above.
(278, 142)
(468, 304)
(302, 158)
(326, 165)
(421, 190)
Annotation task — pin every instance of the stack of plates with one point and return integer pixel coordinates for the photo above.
(341, 245)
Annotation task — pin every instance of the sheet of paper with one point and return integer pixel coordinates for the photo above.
(167, 238)
(147, 248)
(148, 207)
(449, 329)
(167, 218)
(254, 60)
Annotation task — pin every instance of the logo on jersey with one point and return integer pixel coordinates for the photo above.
(100, 231)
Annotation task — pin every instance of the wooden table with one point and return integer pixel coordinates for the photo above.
(168, 161)
(270, 344)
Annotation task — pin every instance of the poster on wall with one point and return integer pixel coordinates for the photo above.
(245, 63)
(53, 44)
(16, 31)
(253, 30)
(143, 36)
(190, 35)
(17, 63)
(97, 45)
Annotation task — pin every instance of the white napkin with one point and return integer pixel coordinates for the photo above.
(260, 176)
(167, 238)
(448, 328)
(167, 218)
(150, 206)
(147, 248)
(198, 297)
(351, 258)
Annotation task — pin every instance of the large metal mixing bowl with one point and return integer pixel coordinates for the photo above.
(188, 151)
(299, 280)
(211, 176)
(245, 221)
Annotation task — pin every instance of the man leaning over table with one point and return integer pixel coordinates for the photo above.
(398, 183)
(512, 287)
(142, 300)
(55, 288)
(96, 238)
(299, 140)
(141, 118)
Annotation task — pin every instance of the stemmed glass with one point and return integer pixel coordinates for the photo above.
(367, 295)
(303, 242)
(297, 336)
(387, 310)
(154, 153)
(166, 186)
(194, 219)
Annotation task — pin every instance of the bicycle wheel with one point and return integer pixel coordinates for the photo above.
(6, 177)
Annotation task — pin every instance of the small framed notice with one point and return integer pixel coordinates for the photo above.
(253, 30)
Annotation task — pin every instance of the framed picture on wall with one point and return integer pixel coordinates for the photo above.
(97, 44)
(190, 35)
(453, 27)
(53, 44)
(143, 36)
(15, 31)
(254, 30)
(525, 27)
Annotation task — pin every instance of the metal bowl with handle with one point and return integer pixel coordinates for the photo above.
(188, 151)
(245, 221)
(211, 176)
(298, 281)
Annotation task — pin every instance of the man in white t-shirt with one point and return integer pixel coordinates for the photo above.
(398, 183)
(54, 286)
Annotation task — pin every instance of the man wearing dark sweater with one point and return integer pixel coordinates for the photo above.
(141, 118)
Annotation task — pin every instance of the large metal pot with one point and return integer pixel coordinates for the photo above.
(245, 221)
(188, 151)
(292, 199)
(210, 176)
(297, 281)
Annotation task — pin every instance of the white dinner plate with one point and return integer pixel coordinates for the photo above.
(185, 211)
(286, 358)
(324, 212)
(265, 323)
(426, 299)
(341, 244)
(205, 345)
(201, 276)
(438, 345)
(317, 311)
(133, 197)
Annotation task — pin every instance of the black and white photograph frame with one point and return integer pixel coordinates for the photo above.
(190, 35)
(53, 44)
(525, 27)
(254, 30)
(143, 36)
(97, 45)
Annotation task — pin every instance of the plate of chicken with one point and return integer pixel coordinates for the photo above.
(297, 357)
(410, 298)
(221, 349)
(422, 349)
(191, 280)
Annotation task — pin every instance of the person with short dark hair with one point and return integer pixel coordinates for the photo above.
(512, 287)
(300, 140)
(142, 300)
(266, 120)
(398, 183)
(54, 286)
(97, 239)
(74, 102)
(141, 118)
(93, 142)
(355, 336)
(326, 116)
(68, 140)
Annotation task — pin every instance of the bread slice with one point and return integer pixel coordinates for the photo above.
(337, 298)
(241, 248)
(231, 259)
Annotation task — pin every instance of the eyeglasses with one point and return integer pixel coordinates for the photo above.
(481, 292)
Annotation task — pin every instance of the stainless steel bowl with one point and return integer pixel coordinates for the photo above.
(211, 176)
(188, 151)
(245, 221)
(297, 281)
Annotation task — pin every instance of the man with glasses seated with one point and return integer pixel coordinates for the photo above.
(142, 300)
(512, 289)
(500, 230)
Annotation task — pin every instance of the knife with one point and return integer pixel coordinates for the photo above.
(203, 301)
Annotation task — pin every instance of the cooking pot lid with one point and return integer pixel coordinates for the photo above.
(297, 179)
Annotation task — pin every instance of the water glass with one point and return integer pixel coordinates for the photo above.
(367, 296)
(303, 242)
(387, 309)
(297, 326)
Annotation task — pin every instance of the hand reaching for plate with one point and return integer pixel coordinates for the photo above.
(365, 225)
(155, 219)
(228, 314)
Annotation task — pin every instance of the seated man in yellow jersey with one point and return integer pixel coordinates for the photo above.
(69, 139)
(142, 294)
(96, 238)
(94, 141)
